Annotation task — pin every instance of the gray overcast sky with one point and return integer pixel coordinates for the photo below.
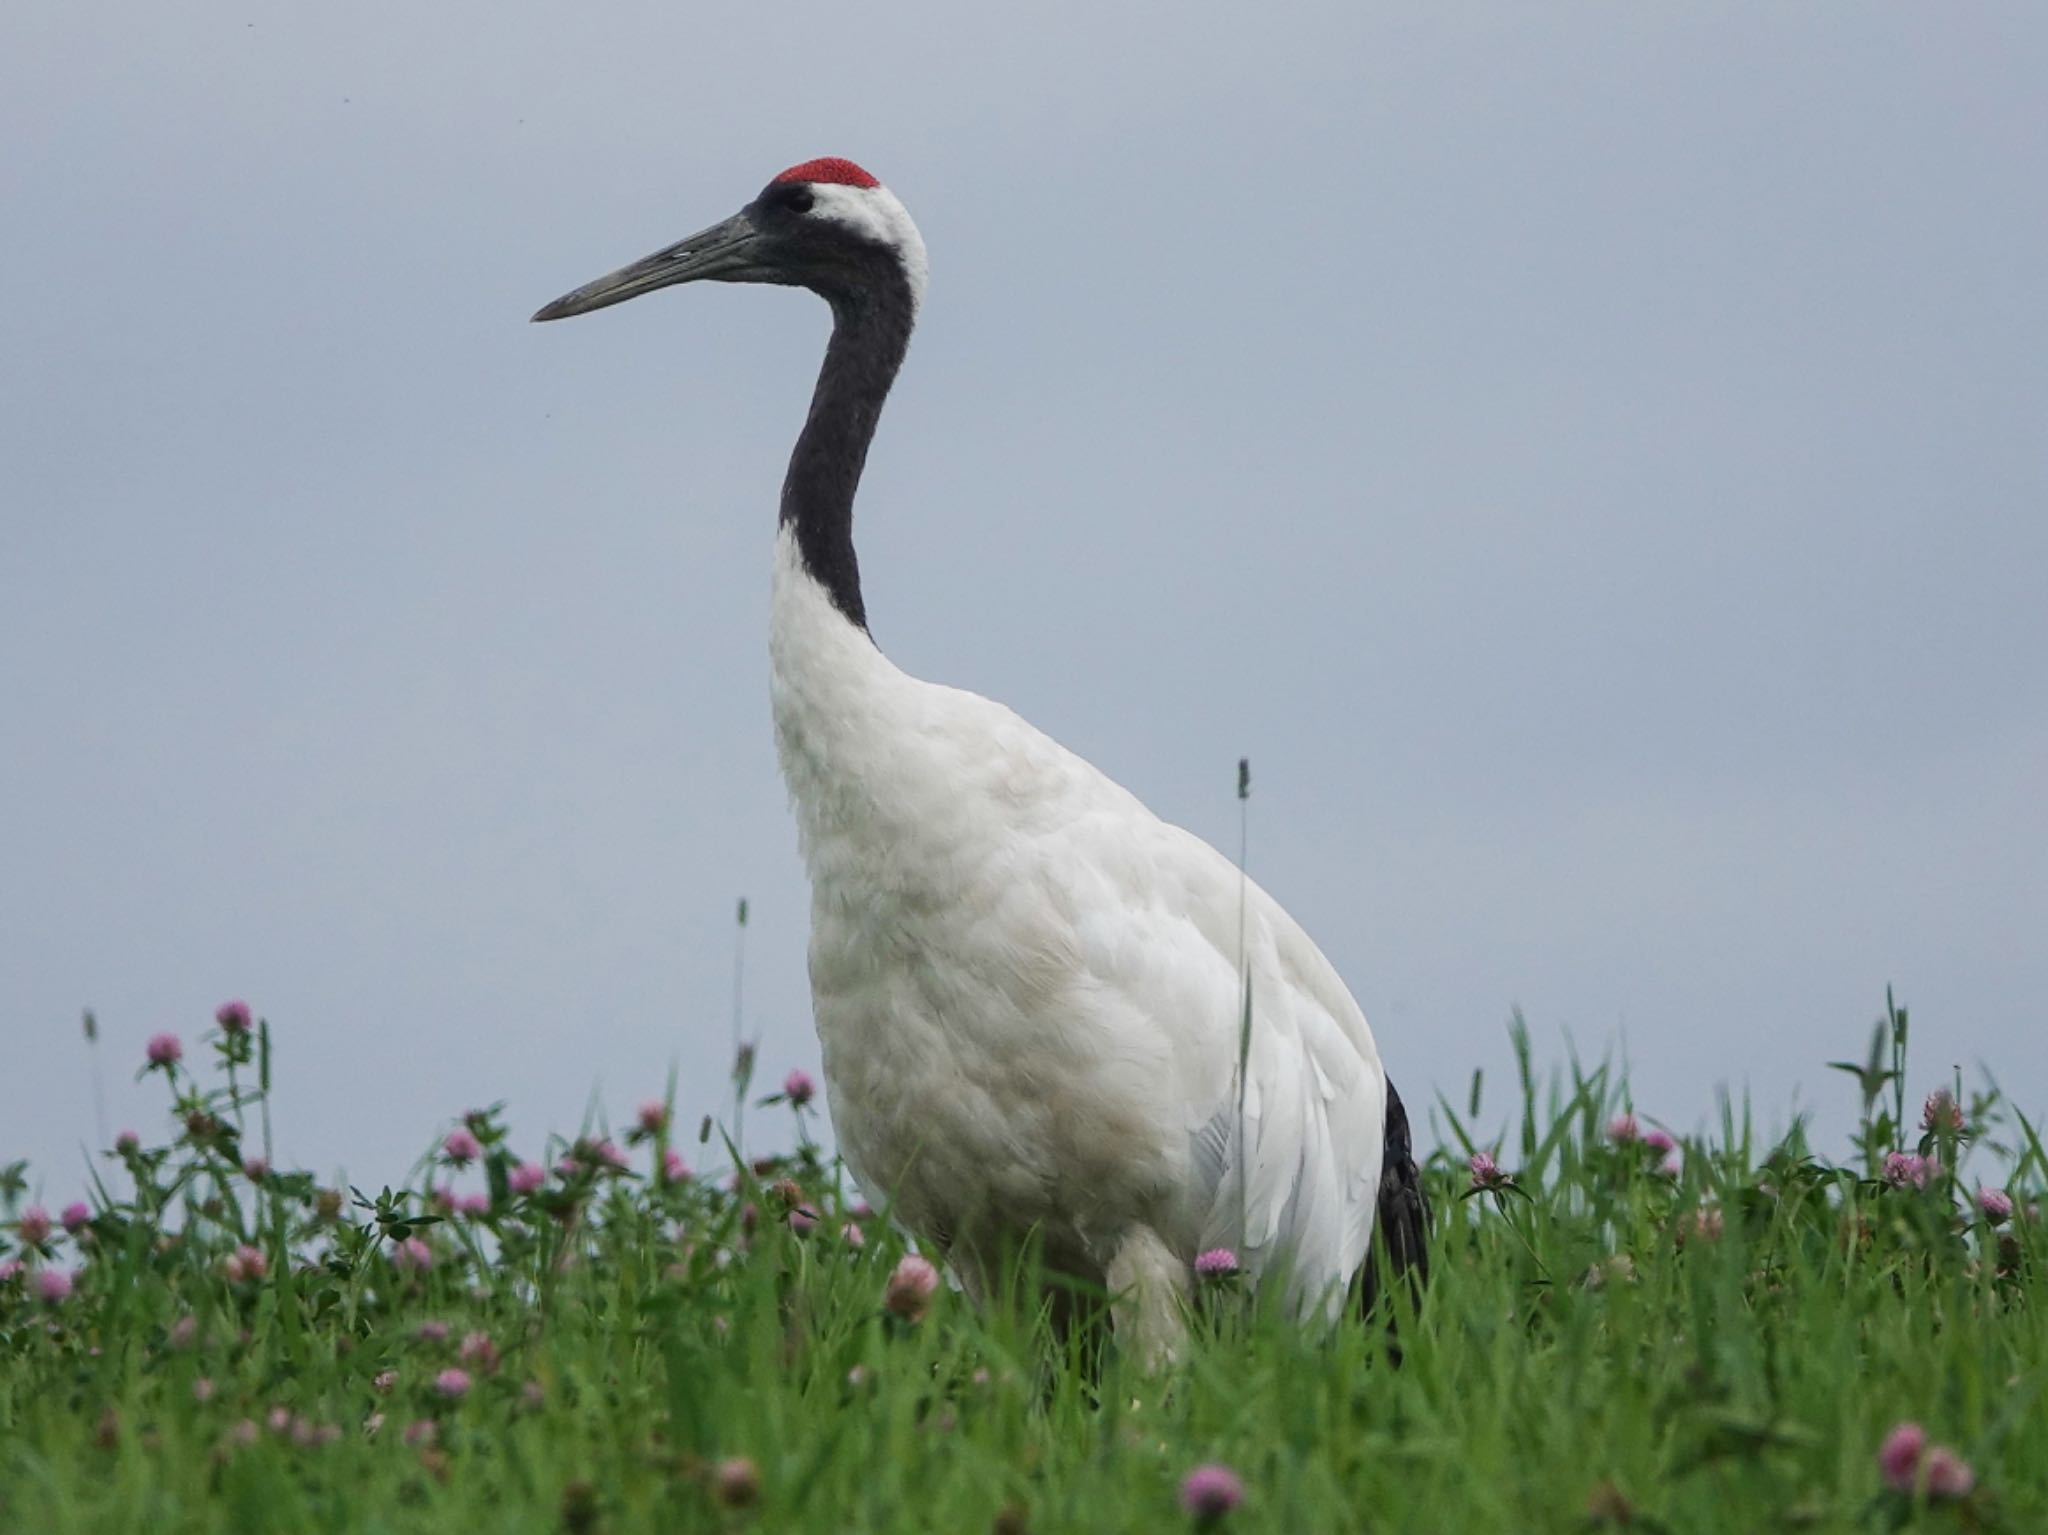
(1591, 458)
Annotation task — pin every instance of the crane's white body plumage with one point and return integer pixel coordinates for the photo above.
(1028, 992)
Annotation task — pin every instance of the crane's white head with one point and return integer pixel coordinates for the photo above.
(826, 225)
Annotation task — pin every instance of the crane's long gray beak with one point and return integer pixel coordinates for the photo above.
(723, 253)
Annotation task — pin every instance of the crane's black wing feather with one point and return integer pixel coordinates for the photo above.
(1403, 1234)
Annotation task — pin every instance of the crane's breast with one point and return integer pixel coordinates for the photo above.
(977, 1075)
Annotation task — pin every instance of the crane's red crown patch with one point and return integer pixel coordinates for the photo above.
(831, 168)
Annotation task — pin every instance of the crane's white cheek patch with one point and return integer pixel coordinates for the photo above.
(876, 214)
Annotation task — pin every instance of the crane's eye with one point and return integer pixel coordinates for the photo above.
(800, 200)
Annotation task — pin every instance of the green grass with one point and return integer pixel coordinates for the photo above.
(1594, 1352)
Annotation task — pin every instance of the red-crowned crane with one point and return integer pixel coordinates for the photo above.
(1029, 989)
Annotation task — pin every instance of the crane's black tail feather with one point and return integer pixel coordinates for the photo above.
(1403, 1221)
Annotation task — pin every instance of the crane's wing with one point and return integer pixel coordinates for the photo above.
(1278, 1141)
(1285, 1154)
(1302, 1149)
(1403, 1217)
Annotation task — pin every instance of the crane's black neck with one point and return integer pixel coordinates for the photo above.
(870, 333)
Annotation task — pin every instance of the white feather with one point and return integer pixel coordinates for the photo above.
(877, 214)
(1028, 993)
